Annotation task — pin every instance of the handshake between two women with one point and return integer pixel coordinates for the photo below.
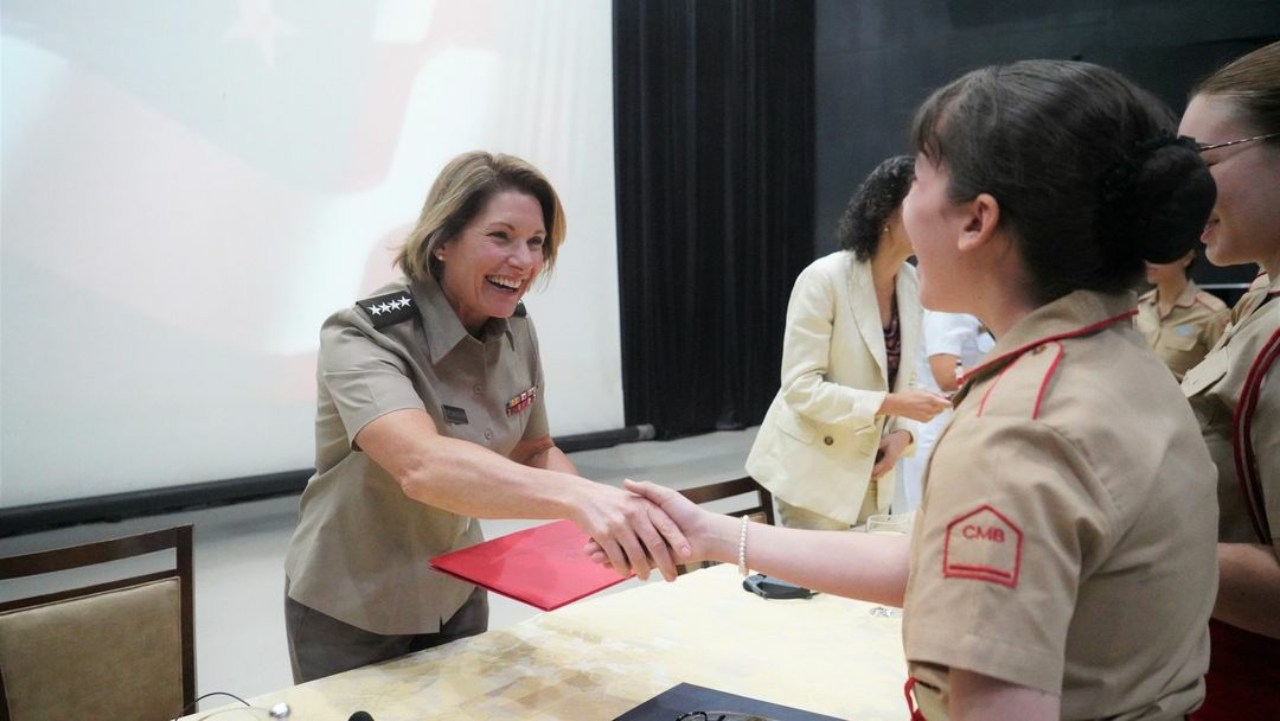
(685, 533)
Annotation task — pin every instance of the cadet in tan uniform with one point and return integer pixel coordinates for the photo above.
(431, 414)
(1054, 535)
(1235, 116)
(1180, 321)
(1061, 566)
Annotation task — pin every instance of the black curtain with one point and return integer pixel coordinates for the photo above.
(714, 146)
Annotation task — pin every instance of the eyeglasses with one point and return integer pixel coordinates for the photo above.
(1202, 147)
(721, 716)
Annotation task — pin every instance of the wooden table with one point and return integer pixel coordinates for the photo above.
(597, 658)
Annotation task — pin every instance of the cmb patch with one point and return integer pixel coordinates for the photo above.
(983, 545)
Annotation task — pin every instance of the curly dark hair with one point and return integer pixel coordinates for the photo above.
(870, 207)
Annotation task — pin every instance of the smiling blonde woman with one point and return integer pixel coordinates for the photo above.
(431, 414)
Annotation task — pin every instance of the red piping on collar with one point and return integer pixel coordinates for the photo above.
(1044, 383)
(1087, 330)
(983, 405)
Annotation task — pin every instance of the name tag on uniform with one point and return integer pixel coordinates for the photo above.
(455, 416)
(522, 401)
(1185, 330)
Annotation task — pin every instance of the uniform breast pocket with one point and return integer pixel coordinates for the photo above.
(1184, 337)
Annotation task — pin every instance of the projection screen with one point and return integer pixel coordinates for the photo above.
(190, 188)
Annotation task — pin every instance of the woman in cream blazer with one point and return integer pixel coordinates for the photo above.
(846, 409)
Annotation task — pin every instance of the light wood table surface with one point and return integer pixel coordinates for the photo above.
(597, 658)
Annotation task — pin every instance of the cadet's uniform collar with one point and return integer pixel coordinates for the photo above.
(1271, 283)
(1185, 299)
(444, 330)
(1076, 314)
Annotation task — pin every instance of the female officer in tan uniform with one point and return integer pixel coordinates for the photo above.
(1061, 565)
(1180, 321)
(431, 414)
(1235, 391)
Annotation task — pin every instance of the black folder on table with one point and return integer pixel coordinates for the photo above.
(686, 697)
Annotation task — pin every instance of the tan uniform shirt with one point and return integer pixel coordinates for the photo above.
(1183, 336)
(360, 551)
(1213, 387)
(1066, 542)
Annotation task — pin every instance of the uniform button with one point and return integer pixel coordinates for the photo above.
(488, 435)
(828, 440)
(477, 389)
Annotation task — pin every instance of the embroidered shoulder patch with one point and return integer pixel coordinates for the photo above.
(387, 309)
(983, 545)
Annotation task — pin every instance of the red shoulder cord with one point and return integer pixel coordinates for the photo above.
(1242, 439)
(916, 714)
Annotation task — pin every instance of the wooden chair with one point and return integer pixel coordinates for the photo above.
(122, 649)
(759, 507)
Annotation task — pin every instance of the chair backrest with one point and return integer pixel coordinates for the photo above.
(120, 649)
(759, 507)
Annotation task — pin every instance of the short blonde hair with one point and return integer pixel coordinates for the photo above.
(460, 192)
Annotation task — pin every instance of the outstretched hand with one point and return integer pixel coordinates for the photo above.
(631, 533)
(672, 507)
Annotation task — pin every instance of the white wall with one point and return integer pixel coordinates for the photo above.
(189, 188)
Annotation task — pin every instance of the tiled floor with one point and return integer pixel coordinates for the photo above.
(239, 556)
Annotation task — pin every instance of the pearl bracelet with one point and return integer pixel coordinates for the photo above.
(742, 549)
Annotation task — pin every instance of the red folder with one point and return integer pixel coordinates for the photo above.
(543, 566)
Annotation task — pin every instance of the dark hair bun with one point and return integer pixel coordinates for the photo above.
(1158, 199)
(1178, 191)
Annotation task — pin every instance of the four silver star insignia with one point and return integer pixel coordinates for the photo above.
(397, 304)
